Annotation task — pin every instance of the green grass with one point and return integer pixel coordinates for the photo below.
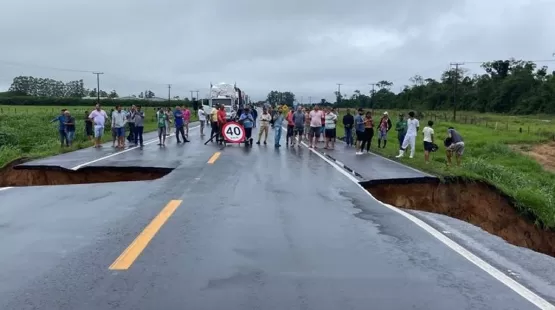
(487, 158)
(27, 132)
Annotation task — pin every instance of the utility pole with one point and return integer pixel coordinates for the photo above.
(192, 91)
(339, 92)
(301, 100)
(197, 91)
(372, 95)
(310, 100)
(455, 82)
(169, 92)
(98, 85)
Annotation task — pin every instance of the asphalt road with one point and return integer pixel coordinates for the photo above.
(228, 229)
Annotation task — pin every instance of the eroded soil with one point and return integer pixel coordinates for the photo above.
(477, 203)
(12, 175)
(544, 154)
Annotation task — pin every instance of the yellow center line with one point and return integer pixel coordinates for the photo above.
(127, 257)
(214, 158)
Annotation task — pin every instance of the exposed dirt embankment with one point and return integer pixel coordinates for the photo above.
(13, 175)
(474, 202)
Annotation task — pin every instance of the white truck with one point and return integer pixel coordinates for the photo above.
(229, 95)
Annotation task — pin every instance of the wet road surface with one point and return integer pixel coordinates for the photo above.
(255, 228)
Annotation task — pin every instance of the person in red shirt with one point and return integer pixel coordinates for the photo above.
(221, 121)
(290, 128)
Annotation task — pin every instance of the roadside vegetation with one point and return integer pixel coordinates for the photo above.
(488, 157)
(27, 131)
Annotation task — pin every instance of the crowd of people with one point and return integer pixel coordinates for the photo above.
(314, 125)
(122, 121)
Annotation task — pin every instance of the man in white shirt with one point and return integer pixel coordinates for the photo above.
(119, 120)
(98, 117)
(330, 132)
(410, 137)
(202, 119)
(428, 132)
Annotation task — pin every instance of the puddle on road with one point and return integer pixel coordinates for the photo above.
(474, 202)
(12, 175)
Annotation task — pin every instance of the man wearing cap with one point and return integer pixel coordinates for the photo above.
(383, 128)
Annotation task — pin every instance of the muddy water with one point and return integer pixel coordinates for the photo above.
(474, 202)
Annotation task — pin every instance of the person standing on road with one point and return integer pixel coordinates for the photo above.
(161, 120)
(265, 119)
(222, 119)
(61, 119)
(290, 128)
(186, 121)
(359, 130)
(98, 117)
(169, 115)
(455, 145)
(330, 131)
(118, 123)
(179, 124)
(131, 123)
(202, 119)
(348, 124)
(368, 133)
(254, 115)
(315, 117)
(214, 123)
(139, 120)
(428, 132)
(70, 127)
(401, 128)
(299, 121)
(278, 122)
(247, 120)
(383, 128)
(306, 123)
(89, 132)
(410, 137)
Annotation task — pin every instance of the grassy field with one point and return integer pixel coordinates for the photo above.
(26, 131)
(488, 157)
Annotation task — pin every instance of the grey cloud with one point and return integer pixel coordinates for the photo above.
(302, 46)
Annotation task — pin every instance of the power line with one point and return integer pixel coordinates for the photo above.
(13, 63)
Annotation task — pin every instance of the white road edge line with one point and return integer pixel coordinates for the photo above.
(121, 152)
(492, 271)
(108, 156)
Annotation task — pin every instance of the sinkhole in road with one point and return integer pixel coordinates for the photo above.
(14, 175)
(477, 203)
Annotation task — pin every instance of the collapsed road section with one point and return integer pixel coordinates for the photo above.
(477, 203)
(14, 175)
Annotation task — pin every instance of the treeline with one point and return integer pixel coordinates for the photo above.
(56, 101)
(506, 86)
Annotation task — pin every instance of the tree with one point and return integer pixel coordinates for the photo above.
(278, 98)
(149, 94)
(505, 86)
(113, 94)
(141, 95)
(45, 87)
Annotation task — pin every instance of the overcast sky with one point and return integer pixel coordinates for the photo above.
(303, 46)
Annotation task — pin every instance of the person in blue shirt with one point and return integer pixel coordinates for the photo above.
(179, 124)
(61, 119)
(278, 122)
(247, 120)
